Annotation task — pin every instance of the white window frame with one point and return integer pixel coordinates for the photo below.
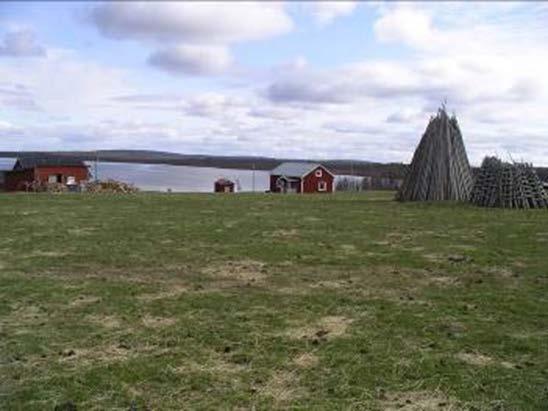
(52, 178)
(319, 172)
(322, 186)
(71, 180)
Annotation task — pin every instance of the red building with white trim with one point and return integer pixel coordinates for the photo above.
(43, 170)
(301, 178)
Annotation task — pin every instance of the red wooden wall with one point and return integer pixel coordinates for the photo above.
(310, 181)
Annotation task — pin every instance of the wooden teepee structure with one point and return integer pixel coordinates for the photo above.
(508, 185)
(440, 169)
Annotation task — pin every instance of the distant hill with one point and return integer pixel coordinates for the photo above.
(347, 167)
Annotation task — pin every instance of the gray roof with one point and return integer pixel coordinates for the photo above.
(24, 163)
(295, 169)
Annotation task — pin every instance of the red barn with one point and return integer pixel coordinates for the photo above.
(27, 171)
(223, 185)
(301, 178)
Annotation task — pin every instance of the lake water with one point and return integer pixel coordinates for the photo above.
(161, 177)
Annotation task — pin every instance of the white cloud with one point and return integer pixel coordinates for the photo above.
(192, 22)
(192, 59)
(407, 25)
(17, 96)
(211, 104)
(21, 43)
(326, 11)
(198, 33)
(405, 115)
(63, 83)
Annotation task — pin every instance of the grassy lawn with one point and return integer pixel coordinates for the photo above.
(240, 301)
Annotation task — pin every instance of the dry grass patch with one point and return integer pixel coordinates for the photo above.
(334, 284)
(464, 247)
(214, 364)
(284, 233)
(481, 360)
(83, 357)
(443, 281)
(325, 328)
(81, 231)
(498, 271)
(246, 271)
(282, 387)
(433, 258)
(84, 300)
(306, 360)
(417, 401)
(25, 315)
(174, 292)
(157, 322)
(348, 248)
(107, 353)
(39, 253)
(399, 237)
(476, 359)
(108, 321)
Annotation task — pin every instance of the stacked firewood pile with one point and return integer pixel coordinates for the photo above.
(508, 185)
(44, 187)
(110, 187)
(440, 169)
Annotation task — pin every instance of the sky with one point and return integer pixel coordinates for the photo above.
(344, 79)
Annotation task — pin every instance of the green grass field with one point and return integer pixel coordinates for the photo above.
(241, 301)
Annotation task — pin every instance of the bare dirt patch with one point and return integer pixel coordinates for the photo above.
(157, 322)
(417, 401)
(306, 360)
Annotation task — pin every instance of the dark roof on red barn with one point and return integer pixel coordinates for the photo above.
(224, 181)
(25, 163)
(296, 169)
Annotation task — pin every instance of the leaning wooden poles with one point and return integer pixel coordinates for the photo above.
(508, 185)
(440, 169)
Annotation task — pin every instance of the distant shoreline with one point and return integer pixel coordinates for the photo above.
(339, 167)
(343, 167)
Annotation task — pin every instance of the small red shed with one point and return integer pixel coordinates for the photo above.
(43, 170)
(301, 178)
(223, 185)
